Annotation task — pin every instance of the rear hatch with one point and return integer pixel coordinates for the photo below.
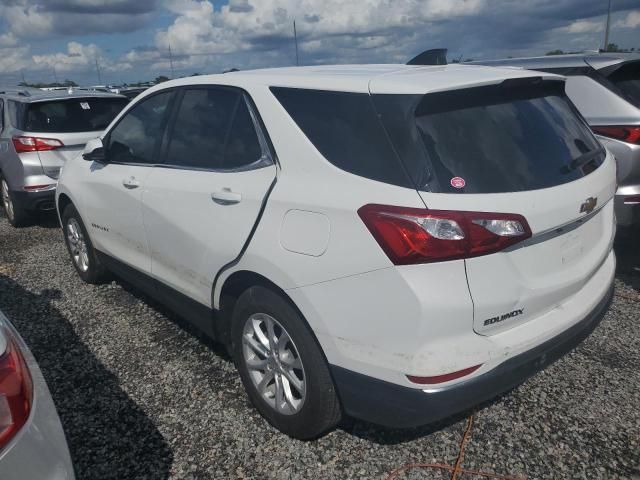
(67, 125)
(515, 147)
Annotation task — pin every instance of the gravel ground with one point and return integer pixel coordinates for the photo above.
(141, 396)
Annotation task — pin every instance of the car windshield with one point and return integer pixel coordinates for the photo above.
(520, 135)
(70, 115)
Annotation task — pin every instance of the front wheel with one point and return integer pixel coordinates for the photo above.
(80, 248)
(281, 365)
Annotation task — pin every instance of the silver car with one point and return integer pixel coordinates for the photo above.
(39, 131)
(32, 442)
(606, 89)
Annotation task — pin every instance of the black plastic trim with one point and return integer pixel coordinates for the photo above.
(392, 405)
(35, 201)
(201, 316)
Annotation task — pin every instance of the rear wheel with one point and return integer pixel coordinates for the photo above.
(281, 365)
(81, 250)
(16, 214)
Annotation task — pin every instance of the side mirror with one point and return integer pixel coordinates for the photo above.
(94, 151)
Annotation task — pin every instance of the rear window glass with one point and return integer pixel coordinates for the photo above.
(627, 79)
(519, 135)
(70, 115)
(345, 129)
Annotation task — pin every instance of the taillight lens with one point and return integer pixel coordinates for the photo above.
(16, 390)
(35, 144)
(629, 134)
(413, 235)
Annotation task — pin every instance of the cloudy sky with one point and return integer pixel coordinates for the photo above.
(45, 40)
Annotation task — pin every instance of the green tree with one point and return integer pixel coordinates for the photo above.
(613, 47)
(161, 79)
(555, 52)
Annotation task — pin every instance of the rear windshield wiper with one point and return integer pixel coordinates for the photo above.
(583, 159)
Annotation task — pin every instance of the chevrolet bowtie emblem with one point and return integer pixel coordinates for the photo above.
(588, 205)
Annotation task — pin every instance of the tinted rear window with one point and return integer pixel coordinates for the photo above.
(345, 129)
(627, 79)
(519, 135)
(70, 115)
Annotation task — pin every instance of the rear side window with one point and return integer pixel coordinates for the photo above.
(516, 136)
(627, 79)
(71, 115)
(213, 130)
(345, 129)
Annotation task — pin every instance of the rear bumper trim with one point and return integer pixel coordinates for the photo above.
(392, 405)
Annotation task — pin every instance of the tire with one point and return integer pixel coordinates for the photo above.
(16, 215)
(83, 255)
(302, 416)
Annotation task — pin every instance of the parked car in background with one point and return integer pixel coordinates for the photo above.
(606, 89)
(389, 242)
(39, 131)
(32, 442)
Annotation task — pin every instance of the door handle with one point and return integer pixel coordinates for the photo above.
(226, 197)
(130, 183)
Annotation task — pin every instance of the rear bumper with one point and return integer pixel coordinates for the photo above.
(393, 405)
(627, 215)
(36, 201)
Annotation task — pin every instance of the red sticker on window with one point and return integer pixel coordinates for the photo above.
(458, 182)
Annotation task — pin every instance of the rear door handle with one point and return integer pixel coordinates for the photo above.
(226, 197)
(130, 183)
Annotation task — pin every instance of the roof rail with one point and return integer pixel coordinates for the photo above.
(435, 56)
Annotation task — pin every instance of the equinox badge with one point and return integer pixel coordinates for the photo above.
(588, 205)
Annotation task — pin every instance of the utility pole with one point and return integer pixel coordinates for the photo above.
(171, 61)
(98, 71)
(606, 30)
(55, 74)
(23, 79)
(295, 37)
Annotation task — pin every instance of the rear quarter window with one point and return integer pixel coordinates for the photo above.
(345, 129)
(70, 115)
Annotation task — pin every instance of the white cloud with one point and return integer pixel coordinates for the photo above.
(632, 20)
(78, 57)
(584, 26)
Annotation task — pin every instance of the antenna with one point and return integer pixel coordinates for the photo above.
(295, 37)
(171, 61)
(606, 31)
(98, 71)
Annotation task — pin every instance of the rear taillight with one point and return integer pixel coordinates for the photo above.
(413, 235)
(16, 390)
(629, 134)
(35, 144)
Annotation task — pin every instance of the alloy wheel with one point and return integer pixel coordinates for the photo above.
(274, 364)
(6, 200)
(77, 245)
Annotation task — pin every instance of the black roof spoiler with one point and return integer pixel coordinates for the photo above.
(435, 56)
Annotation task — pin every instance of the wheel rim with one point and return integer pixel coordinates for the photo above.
(77, 245)
(274, 364)
(6, 200)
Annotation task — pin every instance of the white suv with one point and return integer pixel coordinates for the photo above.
(389, 242)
